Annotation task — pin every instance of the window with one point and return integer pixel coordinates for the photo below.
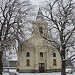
(27, 54)
(54, 54)
(40, 29)
(41, 54)
(54, 62)
(27, 62)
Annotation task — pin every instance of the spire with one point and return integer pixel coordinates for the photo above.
(39, 15)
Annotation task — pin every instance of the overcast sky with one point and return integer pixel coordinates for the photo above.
(37, 2)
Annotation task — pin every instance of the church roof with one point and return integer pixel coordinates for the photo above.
(35, 41)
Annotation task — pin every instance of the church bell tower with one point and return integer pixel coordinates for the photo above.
(40, 26)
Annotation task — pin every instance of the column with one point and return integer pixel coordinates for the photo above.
(36, 61)
(48, 62)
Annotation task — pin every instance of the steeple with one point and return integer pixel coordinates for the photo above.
(40, 26)
(39, 15)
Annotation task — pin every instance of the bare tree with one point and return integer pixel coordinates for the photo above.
(14, 16)
(61, 16)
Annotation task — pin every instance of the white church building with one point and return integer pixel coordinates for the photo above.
(37, 54)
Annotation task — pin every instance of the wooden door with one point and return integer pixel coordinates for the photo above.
(41, 67)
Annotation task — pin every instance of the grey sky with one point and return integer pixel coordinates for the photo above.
(37, 2)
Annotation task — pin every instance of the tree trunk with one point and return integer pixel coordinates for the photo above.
(63, 67)
(1, 64)
(63, 70)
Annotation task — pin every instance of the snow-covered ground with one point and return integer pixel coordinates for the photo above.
(54, 73)
(13, 72)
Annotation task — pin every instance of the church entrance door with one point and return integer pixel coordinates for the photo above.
(41, 67)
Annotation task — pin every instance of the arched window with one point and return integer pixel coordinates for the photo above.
(40, 29)
(27, 62)
(41, 54)
(27, 54)
(54, 62)
(54, 54)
